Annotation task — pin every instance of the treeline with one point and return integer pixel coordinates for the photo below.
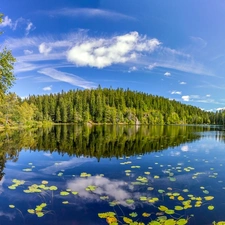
(117, 106)
(102, 106)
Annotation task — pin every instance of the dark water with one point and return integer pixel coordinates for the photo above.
(140, 174)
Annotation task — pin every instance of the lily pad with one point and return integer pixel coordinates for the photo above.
(63, 193)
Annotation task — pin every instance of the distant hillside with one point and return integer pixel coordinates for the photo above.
(117, 106)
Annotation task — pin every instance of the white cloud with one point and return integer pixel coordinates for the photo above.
(88, 12)
(48, 88)
(194, 96)
(208, 96)
(44, 49)
(182, 83)
(62, 165)
(48, 155)
(24, 97)
(6, 22)
(21, 66)
(27, 52)
(25, 42)
(151, 66)
(185, 148)
(67, 77)
(29, 27)
(128, 49)
(115, 189)
(167, 74)
(10, 216)
(187, 66)
(201, 43)
(186, 98)
(102, 52)
(170, 51)
(176, 92)
(18, 23)
(131, 69)
(33, 42)
(222, 108)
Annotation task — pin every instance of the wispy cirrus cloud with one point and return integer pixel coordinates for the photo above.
(87, 12)
(132, 69)
(21, 66)
(27, 52)
(127, 50)
(29, 26)
(188, 66)
(206, 99)
(200, 42)
(151, 66)
(67, 78)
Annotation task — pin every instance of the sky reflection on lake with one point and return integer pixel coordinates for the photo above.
(187, 178)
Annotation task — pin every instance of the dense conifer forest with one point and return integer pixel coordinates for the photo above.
(112, 106)
(102, 106)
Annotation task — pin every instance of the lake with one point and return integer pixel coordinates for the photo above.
(80, 175)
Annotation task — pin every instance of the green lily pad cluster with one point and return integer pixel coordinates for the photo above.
(38, 210)
(142, 179)
(219, 223)
(91, 188)
(16, 183)
(37, 188)
(67, 192)
(183, 200)
(84, 174)
(166, 205)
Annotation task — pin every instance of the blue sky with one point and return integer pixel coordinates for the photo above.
(173, 48)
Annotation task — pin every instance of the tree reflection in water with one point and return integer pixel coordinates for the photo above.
(104, 141)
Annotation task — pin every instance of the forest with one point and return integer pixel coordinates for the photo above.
(102, 106)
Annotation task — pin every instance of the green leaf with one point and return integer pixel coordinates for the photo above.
(177, 207)
(133, 214)
(208, 198)
(162, 208)
(31, 211)
(129, 201)
(182, 222)
(63, 193)
(169, 211)
(53, 188)
(210, 207)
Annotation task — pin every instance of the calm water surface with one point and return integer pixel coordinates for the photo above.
(142, 175)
